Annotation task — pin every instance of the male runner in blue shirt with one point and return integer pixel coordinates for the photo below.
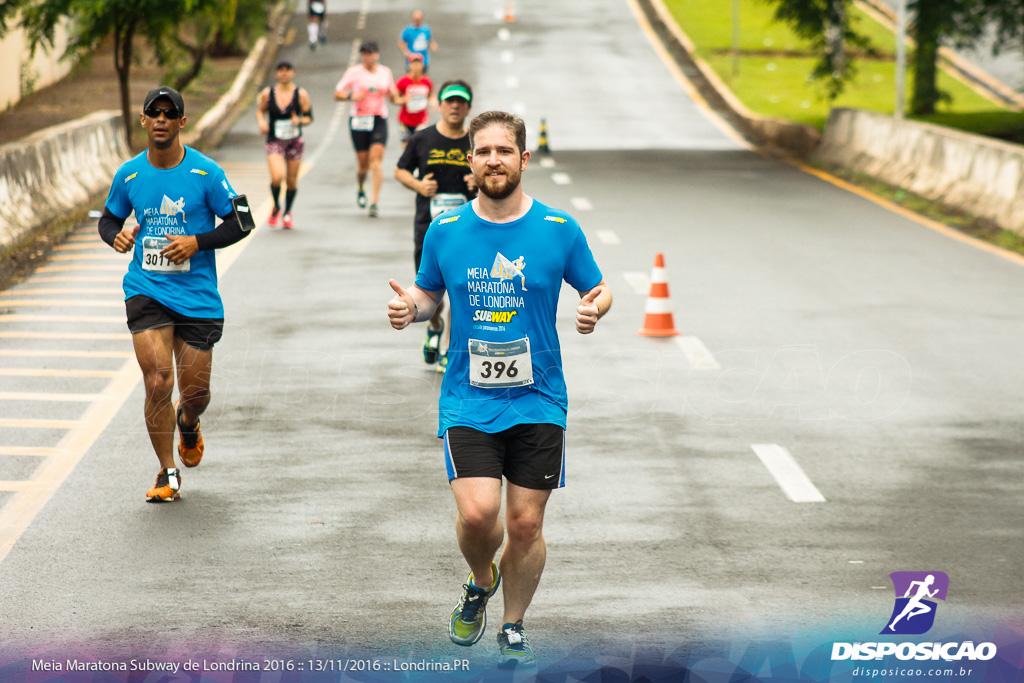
(174, 310)
(502, 259)
(417, 38)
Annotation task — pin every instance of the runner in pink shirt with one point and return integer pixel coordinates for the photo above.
(368, 86)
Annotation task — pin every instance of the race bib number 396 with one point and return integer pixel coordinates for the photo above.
(500, 365)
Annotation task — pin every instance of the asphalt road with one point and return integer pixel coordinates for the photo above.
(880, 354)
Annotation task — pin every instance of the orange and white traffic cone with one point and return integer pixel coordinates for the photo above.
(510, 11)
(658, 311)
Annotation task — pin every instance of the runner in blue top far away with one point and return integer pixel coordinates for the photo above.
(417, 37)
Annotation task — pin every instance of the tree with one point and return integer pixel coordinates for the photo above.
(826, 24)
(158, 21)
(933, 20)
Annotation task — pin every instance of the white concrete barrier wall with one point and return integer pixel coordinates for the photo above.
(975, 174)
(57, 170)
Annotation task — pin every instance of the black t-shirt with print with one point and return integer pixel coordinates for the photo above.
(430, 152)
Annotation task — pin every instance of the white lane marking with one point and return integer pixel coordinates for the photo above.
(698, 355)
(55, 372)
(608, 237)
(795, 484)
(36, 451)
(32, 396)
(22, 318)
(504, 34)
(63, 303)
(561, 178)
(519, 109)
(64, 353)
(512, 82)
(547, 162)
(506, 56)
(638, 282)
(581, 204)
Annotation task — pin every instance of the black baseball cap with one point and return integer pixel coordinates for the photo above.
(170, 93)
(284, 63)
(369, 46)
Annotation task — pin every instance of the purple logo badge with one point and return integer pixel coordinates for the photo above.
(916, 592)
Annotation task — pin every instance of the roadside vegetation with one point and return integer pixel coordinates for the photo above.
(774, 73)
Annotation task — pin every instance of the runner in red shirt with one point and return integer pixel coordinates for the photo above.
(415, 90)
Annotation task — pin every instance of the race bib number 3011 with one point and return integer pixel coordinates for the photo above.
(500, 365)
(155, 262)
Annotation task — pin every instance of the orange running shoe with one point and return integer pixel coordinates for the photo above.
(167, 487)
(190, 447)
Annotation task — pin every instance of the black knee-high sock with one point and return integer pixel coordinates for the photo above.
(275, 190)
(289, 197)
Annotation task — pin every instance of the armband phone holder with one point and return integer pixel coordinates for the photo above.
(243, 213)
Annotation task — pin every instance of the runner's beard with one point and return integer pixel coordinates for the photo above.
(493, 190)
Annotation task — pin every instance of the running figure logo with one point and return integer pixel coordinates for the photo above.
(506, 269)
(169, 207)
(914, 612)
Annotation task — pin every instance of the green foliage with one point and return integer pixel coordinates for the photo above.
(826, 26)
(161, 22)
(775, 65)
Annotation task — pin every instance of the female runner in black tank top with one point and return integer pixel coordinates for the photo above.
(284, 145)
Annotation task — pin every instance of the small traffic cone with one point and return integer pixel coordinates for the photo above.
(658, 311)
(510, 11)
(542, 139)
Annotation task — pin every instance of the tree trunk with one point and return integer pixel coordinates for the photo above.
(198, 55)
(123, 37)
(835, 30)
(927, 30)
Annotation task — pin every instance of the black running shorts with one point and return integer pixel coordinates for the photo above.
(528, 455)
(362, 139)
(149, 314)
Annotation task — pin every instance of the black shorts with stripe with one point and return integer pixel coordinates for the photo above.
(528, 455)
(149, 314)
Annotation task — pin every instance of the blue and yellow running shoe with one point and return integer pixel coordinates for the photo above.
(469, 618)
(514, 647)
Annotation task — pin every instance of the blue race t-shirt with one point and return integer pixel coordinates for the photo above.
(503, 281)
(418, 40)
(184, 200)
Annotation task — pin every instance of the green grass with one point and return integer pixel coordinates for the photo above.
(775, 81)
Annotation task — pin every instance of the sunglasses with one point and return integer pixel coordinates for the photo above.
(154, 112)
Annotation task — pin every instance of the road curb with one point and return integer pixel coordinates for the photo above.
(777, 136)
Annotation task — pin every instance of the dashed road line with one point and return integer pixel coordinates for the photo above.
(787, 473)
(561, 178)
(547, 162)
(581, 204)
(698, 355)
(28, 451)
(75, 290)
(39, 396)
(64, 353)
(31, 317)
(28, 423)
(66, 335)
(638, 282)
(54, 372)
(72, 303)
(608, 237)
